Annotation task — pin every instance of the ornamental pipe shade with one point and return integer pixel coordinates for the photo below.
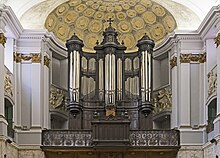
(146, 45)
(74, 46)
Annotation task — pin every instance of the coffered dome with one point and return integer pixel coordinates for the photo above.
(132, 19)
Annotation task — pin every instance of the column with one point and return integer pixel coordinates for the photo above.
(3, 122)
(184, 90)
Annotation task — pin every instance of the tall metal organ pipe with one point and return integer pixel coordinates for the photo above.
(146, 45)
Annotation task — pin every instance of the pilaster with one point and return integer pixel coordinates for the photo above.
(174, 85)
(184, 90)
(3, 122)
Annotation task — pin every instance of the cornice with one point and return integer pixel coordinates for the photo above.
(11, 20)
(209, 22)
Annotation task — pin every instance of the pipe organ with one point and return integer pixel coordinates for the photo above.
(109, 82)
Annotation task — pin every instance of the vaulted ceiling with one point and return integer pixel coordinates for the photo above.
(132, 18)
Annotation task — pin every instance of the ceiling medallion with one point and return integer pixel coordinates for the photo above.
(132, 19)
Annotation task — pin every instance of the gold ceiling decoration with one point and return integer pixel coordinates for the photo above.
(132, 19)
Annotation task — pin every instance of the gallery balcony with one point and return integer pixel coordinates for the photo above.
(85, 138)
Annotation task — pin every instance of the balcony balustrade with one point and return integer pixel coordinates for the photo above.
(137, 138)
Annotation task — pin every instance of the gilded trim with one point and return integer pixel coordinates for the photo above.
(46, 61)
(173, 62)
(217, 40)
(36, 57)
(202, 58)
(26, 57)
(2, 39)
(185, 58)
(194, 57)
(17, 57)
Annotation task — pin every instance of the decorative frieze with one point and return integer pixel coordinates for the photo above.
(212, 82)
(188, 58)
(46, 61)
(17, 57)
(162, 100)
(35, 57)
(173, 62)
(24, 58)
(185, 58)
(2, 39)
(217, 40)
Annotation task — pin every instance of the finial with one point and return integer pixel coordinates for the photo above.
(97, 42)
(110, 21)
(122, 42)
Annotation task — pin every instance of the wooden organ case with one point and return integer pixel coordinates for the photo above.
(110, 86)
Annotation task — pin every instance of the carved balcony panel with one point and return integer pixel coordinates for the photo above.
(162, 101)
(156, 138)
(84, 138)
(76, 138)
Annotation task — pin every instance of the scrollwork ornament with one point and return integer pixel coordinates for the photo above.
(217, 40)
(173, 62)
(46, 61)
(2, 39)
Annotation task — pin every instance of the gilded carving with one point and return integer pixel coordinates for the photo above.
(26, 57)
(128, 40)
(162, 100)
(202, 58)
(217, 40)
(17, 57)
(82, 22)
(140, 9)
(95, 26)
(35, 57)
(149, 17)
(121, 16)
(131, 13)
(185, 58)
(124, 26)
(46, 61)
(173, 62)
(89, 12)
(62, 9)
(62, 31)
(169, 23)
(56, 97)
(71, 17)
(194, 57)
(137, 23)
(8, 86)
(146, 3)
(158, 31)
(158, 10)
(87, 16)
(212, 82)
(2, 39)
